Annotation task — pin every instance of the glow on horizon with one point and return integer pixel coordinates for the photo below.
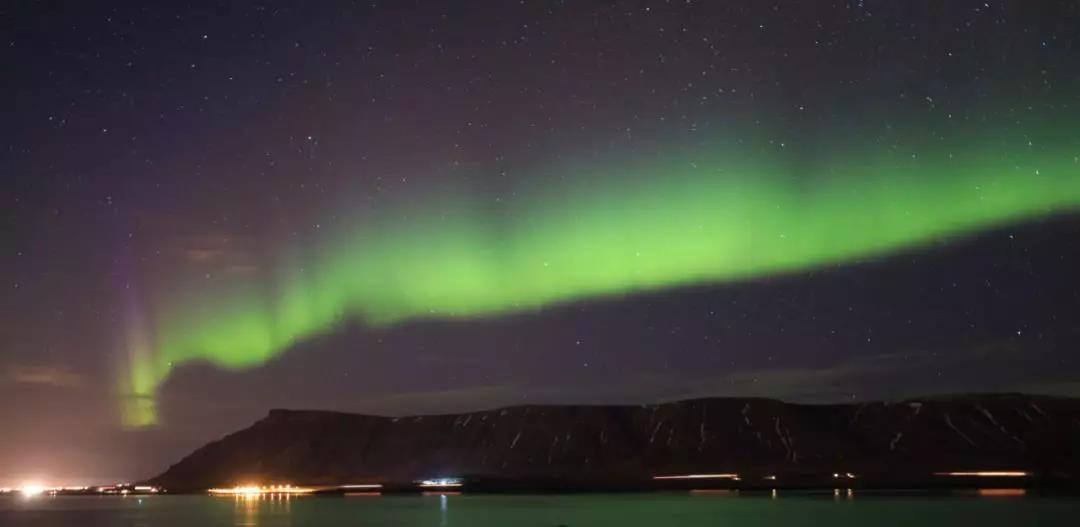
(717, 218)
(34, 489)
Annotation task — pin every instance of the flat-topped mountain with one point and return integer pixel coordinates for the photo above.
(626, 445)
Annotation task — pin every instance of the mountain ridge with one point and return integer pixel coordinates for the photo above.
(601, 445)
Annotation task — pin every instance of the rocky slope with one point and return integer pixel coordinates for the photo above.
(597, 445)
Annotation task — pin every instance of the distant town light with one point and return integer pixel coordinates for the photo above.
(986, 474)
(441, 483)
(32, 489)
(700, 476)
(256, 490)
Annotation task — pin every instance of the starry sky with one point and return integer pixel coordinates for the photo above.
(217, 208)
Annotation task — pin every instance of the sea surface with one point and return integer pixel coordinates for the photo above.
(625, 510)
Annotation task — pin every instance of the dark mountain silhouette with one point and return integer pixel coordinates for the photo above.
(611, 446)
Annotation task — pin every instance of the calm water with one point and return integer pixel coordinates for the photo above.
(550, 511)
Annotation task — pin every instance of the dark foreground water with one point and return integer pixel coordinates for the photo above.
(624, 510)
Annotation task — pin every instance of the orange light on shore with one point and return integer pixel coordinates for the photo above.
(255, 490)
(986, 474)
(700, 476)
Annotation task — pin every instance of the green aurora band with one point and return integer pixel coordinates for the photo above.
(602, 232)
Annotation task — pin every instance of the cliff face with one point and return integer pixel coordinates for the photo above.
(633, 443)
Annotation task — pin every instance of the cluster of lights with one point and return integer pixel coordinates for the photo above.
(256, 490)
(441, 483)
(37, 489)
(252, 490)
(33, 489)
(128, 489)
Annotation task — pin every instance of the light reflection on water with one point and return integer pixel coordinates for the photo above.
(248, 507)
(784, 508)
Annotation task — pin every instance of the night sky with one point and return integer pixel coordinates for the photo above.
(215, 209)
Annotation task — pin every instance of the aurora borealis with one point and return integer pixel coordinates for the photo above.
(213, 209)
(704, 220)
